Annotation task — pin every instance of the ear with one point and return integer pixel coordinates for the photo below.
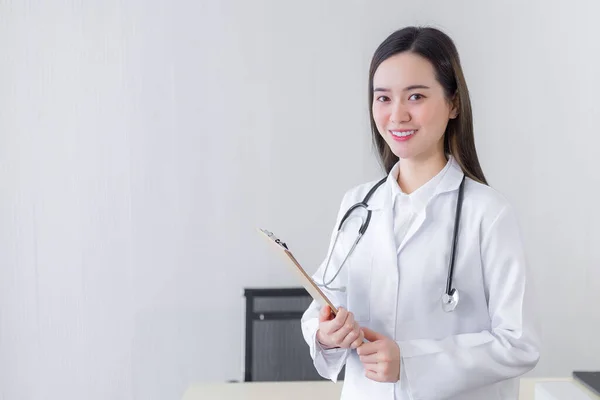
(455, 105)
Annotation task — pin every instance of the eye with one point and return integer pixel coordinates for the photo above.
(383, 99)
(416, 97)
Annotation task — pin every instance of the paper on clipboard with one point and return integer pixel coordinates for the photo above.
(307, 282)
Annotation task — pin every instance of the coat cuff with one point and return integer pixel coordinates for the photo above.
(328, 362)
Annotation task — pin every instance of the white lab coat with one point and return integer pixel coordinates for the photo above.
(479, 350)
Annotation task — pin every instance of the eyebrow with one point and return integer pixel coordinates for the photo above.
(406, 89)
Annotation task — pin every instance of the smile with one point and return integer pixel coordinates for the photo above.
(403, 135)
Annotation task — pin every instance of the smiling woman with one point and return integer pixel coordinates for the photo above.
(416, 85)
(402, 330)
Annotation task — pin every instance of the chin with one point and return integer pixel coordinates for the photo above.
(402, 152)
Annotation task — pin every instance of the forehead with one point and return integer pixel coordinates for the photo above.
(403, 70)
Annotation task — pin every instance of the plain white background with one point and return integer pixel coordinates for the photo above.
(142, 142)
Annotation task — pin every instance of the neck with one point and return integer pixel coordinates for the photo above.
(414, 173)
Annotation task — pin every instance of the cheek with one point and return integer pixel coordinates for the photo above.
(434, 117)
(380, 116)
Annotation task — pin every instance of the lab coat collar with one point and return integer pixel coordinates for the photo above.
(452, 179)
(449, 182)
(420, 197)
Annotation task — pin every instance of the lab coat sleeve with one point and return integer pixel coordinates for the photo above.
(327, 362)
(435, 369)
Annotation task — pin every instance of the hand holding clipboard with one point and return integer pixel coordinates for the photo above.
(313, 289)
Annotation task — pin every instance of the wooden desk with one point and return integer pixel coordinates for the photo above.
(325, 390)
(322, 390)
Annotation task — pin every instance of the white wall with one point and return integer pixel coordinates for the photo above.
(141, 143)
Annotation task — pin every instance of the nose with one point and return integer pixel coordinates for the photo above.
(400, 113)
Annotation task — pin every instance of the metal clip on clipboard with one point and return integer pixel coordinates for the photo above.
(306, 281)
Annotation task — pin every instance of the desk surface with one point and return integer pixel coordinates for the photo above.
(304, 390)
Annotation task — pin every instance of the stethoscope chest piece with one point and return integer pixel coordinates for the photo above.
(450, 301)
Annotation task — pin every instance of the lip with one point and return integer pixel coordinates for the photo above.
(405, 138)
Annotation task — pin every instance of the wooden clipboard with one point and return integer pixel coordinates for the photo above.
(306, 281)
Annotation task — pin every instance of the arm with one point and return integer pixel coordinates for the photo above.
(444, 368)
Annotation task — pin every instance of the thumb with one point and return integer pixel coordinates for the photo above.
(324, 314)
(371, 335)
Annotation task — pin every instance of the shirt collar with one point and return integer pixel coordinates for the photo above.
(420, 197)
(449, 181)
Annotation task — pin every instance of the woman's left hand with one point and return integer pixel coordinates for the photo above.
(380, 357)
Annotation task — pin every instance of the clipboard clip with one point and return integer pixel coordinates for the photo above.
(274, 238)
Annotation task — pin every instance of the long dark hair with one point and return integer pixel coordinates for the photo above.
(439, 49)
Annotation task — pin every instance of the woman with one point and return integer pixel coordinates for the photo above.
(400, 330)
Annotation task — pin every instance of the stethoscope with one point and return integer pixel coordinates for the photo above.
(450, 297)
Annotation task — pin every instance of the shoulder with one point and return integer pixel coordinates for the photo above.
(484, 197)
(357, 193)
(489, 205)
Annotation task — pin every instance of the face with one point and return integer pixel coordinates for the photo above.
(410, 109)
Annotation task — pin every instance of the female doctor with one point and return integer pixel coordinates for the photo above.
(435, 298)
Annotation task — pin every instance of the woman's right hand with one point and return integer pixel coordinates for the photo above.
(342, 331)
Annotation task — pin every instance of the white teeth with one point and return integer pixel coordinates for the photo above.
(402, 134)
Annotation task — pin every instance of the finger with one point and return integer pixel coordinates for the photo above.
(350, 338)
(374, 376)
(371, 358)
(339, 320)
(373, 367)
(349, 326)
(358, 342)
(368, 348)
(325, 314)
(333, 324)
(371, 335)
